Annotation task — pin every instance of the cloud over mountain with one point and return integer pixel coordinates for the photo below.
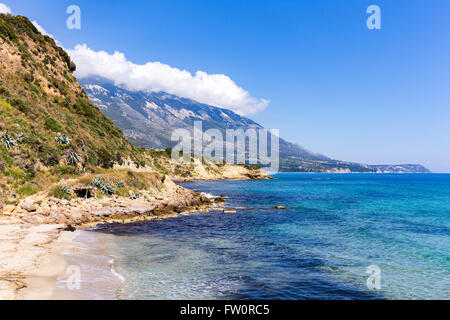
(213, 89)
(4, 8)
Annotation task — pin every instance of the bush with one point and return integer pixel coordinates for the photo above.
(48, 155)
(28, 190)
(64, 170)
(20, 105)
(4, 92)
(6, 32)
(105, 159)
(108, 189)
(61, 192)
(120, 184)
(15, 173)
(5, 105)
(52, 124)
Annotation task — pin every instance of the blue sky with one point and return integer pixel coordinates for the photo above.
(335, 87)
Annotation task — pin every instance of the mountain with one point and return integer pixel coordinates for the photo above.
(149, 118)
(50, 131)
(159, 113)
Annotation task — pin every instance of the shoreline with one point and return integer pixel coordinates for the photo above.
(37, 233)
(32, 255)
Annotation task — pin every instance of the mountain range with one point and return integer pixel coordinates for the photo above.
(149, 118)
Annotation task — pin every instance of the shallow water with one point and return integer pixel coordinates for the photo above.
(335, 227)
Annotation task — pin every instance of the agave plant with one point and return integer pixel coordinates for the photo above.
(73, 158)
(8, 140)
(108, 189)
(20, 138)
(66, 190)
(97, 182)
(62, 139)
(120, 184)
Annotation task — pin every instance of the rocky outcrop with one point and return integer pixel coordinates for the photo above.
(169, 201)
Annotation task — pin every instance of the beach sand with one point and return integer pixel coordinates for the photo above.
(31, 260)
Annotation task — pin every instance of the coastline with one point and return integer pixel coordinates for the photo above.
(32, 254)
(36, 233)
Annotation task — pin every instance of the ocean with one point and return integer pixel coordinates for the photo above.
(335, 227)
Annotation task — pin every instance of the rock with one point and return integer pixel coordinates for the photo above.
(28, 205)
(45, 210)
(279, 208)
(77, 215)
(54, 215)
(70, 228)
(53, 199)
(30, 220)
(218, 209)
(8, 209)
(229, 211)
(72, 66)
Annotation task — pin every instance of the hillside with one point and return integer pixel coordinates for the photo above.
(148, 119)
(50, 131)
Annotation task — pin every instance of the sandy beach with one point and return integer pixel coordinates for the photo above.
(32, 261)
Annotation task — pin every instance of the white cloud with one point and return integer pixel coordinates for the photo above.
(41, 29)
(4, 8)
(214, 89)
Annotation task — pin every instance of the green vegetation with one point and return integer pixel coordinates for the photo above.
(62, 192)
(63, 139)
(52, 124)
(41, 106)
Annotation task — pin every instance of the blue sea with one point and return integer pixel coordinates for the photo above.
(335, 227)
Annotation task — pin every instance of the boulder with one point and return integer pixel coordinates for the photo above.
(28, 205)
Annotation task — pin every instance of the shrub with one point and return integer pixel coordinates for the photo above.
(108, 188)
(120, 184)
(48, 156)
(97, 182)
(52, 124)
(62, 192)
(28, 190)
(64, 170)
(15, 173)
(20, 105)
(105, 159)
(6, 32)
(5, 105)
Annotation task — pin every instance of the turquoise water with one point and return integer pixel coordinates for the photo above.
(335, 227)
